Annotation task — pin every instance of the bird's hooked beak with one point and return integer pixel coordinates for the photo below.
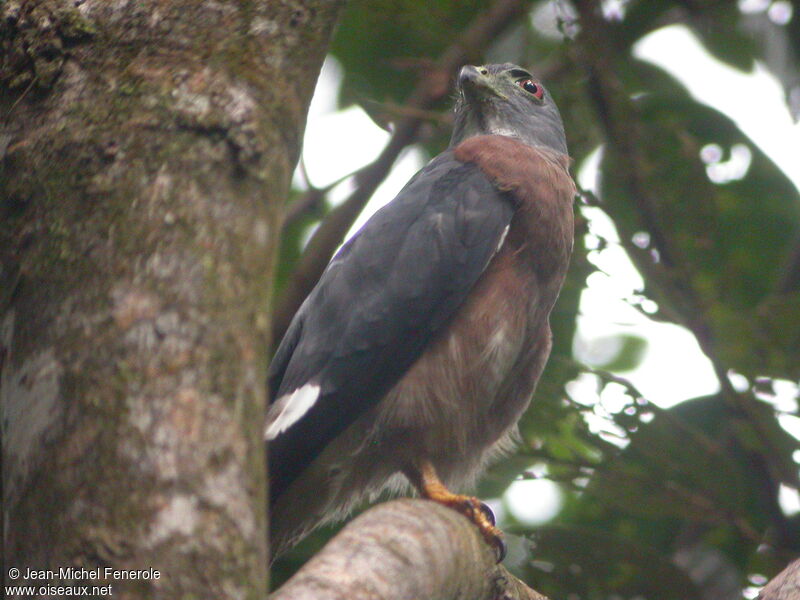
(478, 84)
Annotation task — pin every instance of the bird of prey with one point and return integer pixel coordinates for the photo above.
(414, 356)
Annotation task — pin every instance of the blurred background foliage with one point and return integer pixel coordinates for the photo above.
(682, 501)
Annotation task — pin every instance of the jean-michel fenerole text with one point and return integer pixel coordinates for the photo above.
(83, 574)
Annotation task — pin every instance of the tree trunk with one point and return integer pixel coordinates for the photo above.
(146, 151)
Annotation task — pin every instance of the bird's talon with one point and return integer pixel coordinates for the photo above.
(488, 513)
(500, 548)
(483, 517)
(476, 511)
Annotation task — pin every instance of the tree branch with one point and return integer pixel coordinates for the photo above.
(432, 87)
(784, 586)
(406, 549)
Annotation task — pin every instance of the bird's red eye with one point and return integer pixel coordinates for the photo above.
(531, 87)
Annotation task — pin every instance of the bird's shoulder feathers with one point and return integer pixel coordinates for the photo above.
(538, 181)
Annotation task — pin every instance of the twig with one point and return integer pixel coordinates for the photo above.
(434, 85)
(790, 278)
(404, 111)
(310, 200)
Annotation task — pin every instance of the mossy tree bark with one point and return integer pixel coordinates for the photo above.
(147, 148)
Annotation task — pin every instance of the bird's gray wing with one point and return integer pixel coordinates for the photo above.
(377, 306)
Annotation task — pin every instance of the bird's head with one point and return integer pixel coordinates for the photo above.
(506, 100)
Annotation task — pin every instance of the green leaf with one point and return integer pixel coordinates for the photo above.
(730, 242)
(590, 562)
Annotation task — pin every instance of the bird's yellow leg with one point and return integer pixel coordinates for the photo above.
(429, 485)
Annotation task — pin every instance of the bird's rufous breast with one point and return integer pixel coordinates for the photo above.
(539, 182)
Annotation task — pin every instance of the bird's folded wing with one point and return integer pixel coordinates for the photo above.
(378, 305)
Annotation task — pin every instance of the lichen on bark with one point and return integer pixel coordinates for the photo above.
(146, 153)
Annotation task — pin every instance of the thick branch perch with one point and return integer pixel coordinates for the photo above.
(406, 549)
(785, 585)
